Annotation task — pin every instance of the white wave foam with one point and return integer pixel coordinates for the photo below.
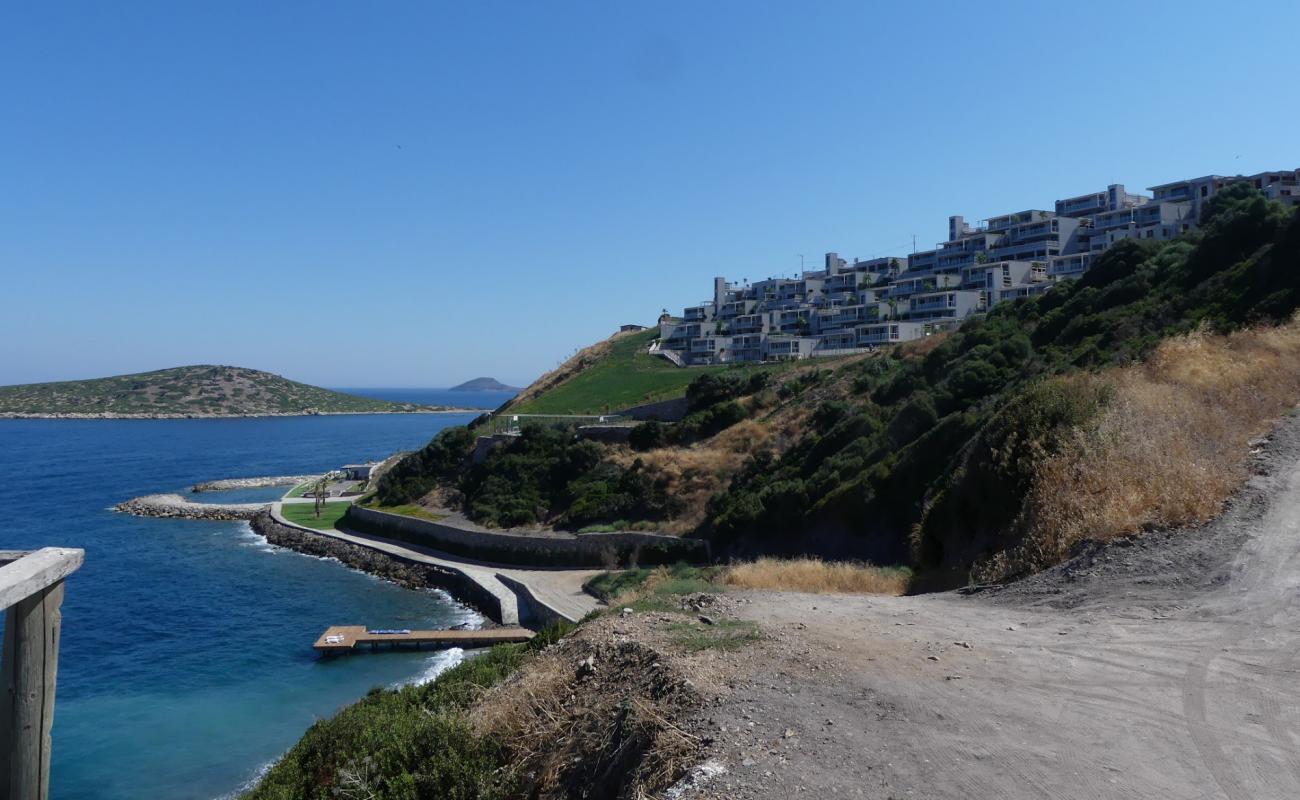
(250, 538)
(251, 783)
(437, 664)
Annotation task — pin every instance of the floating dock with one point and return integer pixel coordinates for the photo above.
(344, 638)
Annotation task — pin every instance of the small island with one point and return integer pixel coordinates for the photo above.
(199, 391)
(484, 385)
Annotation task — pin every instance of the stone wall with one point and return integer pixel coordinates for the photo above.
(588, 550)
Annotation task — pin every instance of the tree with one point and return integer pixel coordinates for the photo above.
(322, 491)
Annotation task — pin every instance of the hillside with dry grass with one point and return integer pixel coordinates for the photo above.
(1122, 401)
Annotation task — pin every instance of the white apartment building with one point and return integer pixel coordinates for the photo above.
(846, 308)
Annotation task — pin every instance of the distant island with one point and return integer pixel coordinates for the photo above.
(189, 392)
(484, 385)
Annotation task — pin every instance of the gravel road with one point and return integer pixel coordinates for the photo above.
(1166, 666)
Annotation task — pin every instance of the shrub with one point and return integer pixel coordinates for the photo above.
(413, 476)
(648, 436)
(710, 421)
(398, 744)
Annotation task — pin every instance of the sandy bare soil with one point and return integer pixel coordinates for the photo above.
(1166, 666)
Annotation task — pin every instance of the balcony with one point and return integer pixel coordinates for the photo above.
(938, 303)
(882, 334)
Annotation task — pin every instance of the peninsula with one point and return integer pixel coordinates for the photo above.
(189, 392)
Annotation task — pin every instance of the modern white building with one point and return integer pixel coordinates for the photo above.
(849, 307)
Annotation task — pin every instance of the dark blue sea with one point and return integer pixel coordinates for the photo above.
(186, 663)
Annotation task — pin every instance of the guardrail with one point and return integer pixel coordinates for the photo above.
(31, 589)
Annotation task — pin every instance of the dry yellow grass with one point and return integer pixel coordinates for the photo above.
(817, 577)
(695, 474)
(1172, 446)
(557, 720)
(917, 349)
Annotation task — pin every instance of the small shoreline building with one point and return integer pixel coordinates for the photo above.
(847, 308)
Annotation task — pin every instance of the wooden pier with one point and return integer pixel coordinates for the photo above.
(344, 638)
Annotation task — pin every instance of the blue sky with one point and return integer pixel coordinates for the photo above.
(416, 193)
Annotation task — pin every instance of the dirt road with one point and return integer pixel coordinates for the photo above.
(1163, 667)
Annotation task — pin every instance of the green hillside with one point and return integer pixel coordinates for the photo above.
(201, 391)
(617, 374)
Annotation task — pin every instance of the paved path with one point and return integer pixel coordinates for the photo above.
(560, 590)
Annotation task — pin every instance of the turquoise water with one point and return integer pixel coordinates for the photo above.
(186, 663)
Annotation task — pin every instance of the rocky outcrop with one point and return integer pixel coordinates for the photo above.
(226, 484)
(177, 507)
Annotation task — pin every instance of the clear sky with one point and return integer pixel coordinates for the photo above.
(416, 193)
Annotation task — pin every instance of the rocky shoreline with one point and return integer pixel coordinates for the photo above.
(173, 506)
(227, 484)
(365, 559)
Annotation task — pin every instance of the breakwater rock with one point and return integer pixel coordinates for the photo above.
(226, 484)
(175, 506)
(372, 562)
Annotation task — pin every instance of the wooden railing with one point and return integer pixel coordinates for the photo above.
(31, 588)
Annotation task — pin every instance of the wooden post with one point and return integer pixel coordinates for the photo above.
(28, 674)
(31, 588)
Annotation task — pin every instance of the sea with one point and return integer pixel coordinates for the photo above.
(186, 664)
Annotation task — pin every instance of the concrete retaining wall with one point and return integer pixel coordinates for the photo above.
(486, 444)
(664, 411)
(609, 434)
(590, 550)
(532, 612)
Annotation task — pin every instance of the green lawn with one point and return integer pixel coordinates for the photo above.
(305, 514)
(301, 489)
(626, 378)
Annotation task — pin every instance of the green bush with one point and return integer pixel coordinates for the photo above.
(713, 388)
(547, 475)
(413, 476)
(412, 742)
(648, 436)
